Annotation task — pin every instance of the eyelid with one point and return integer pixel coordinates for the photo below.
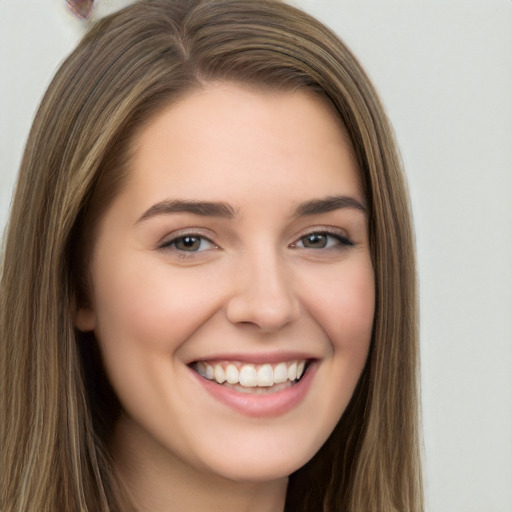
(338, 233)
(171, 238)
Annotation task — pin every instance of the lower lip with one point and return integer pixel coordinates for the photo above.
(265, 405)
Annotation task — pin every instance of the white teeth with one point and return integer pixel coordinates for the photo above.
(292, 371)
(232, 374)
(280, 373)
(209, 373)
(265, 375)
(219, 374)
(300, 369)
(250, 375)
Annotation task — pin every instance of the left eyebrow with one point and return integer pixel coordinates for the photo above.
(329, 204)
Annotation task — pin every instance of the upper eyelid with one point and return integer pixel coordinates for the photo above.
(328, 230)
(341, 239)
(176, 235)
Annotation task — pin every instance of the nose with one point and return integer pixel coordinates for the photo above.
(263, 295)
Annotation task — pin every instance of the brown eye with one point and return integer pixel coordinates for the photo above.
(323, 240)
(315, 241)
(188, 243)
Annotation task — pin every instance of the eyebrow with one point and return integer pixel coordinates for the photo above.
(224, 210)
(202, 208)
(329, 204)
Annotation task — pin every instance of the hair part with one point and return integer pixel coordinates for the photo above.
(57, 405)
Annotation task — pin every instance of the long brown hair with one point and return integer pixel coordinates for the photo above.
(56, 404)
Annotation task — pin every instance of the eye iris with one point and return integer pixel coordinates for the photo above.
(188, 243)
(315, 241)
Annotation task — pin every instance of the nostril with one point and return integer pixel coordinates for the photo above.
(265, 313)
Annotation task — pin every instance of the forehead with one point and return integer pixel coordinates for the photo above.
(229, 140)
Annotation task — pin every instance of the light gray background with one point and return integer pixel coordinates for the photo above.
(444, 71)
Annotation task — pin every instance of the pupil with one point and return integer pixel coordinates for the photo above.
(315, 241)
(188, 243)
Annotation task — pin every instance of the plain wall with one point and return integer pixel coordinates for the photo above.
(444, 72)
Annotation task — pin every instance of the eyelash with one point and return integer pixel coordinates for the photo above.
(168, 244)
(341, 239)
(341, 242)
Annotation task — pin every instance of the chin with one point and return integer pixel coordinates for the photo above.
(261, 460)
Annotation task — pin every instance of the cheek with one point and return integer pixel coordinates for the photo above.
(145, 313)
(345, 308)
(149, 305)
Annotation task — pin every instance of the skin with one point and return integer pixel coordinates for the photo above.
(255, 285)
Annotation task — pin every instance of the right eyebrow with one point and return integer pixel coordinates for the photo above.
(202, 208)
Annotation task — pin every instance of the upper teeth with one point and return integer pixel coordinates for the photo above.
(251, 375)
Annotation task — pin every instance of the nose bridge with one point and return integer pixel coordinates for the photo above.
(263, 290)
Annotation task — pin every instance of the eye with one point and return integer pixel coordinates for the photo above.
(323, 240)
(188, 243)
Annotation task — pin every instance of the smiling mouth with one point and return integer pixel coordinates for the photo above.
(253, 378)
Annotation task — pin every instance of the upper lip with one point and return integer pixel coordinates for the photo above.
(256, 357)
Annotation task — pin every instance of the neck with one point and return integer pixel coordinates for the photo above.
(159, 482)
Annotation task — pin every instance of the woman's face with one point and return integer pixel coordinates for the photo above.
(237, 249)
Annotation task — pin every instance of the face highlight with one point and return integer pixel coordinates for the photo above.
(232, 286)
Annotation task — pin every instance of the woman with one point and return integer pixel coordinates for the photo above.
(208, 292)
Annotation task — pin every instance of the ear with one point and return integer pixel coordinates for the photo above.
(85, 319)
